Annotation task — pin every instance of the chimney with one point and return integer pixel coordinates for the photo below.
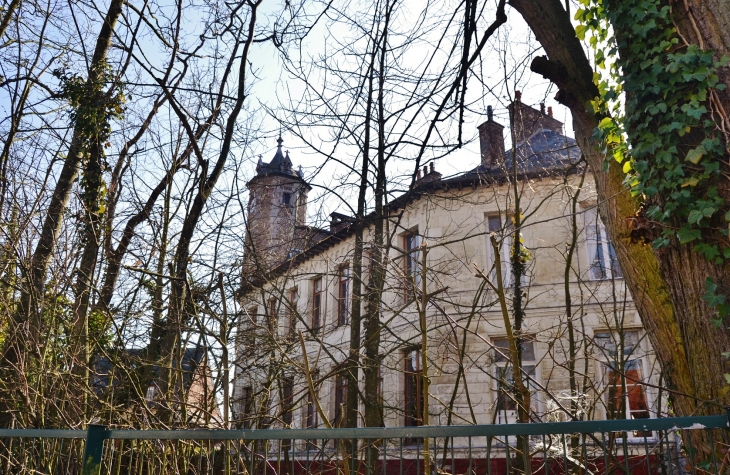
(526, 121)
(339, 221)
(491, 141)
(428, 176)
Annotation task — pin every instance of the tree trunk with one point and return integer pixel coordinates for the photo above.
(180, 299)
(666, 285)
(28, 315)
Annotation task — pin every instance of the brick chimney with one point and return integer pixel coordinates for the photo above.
(339, 221)
(525, 120)
(491, 141)
(428, 176)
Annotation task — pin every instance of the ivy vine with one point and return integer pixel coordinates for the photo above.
(95, 102)
(656, 98)
(666, 87)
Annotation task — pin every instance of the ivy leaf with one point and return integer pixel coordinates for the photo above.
(691, 181)
(709, 251)
(580, 31)
(605, 123)
(708, 211)
(695, 154)
(685, 235)
(695, 216)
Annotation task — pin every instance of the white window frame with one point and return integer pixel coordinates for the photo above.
(151, 392)
(602, 261)
(495, 223)
(293, 302)
(344, 303)
(317, 304)
(411, 263)
(634, 354)
(494, 226)
(252, 312)
(531, 367)
(272, 315)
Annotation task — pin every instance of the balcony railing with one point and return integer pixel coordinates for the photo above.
(667, 446)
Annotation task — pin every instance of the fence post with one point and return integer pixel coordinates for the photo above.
(95, 435)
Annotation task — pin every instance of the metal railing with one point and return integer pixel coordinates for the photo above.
(668, 446)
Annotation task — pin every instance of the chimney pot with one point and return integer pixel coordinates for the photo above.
(542, 108)
(550, 111)
(418, 175)
(490, 114)
(518, 96)
(432, 168)
(425, 170)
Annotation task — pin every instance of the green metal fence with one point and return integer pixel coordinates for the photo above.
(668, 446)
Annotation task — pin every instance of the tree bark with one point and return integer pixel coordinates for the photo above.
(666, 285)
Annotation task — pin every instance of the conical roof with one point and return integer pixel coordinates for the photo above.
(281, 164)
(279, 159)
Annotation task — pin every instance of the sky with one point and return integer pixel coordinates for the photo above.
(279, 89)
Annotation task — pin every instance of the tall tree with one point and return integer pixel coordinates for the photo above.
(667, 280)
(168, 344)
(92, 105)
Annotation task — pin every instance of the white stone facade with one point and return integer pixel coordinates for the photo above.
(615, 373)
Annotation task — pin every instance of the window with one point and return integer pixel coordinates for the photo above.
(252, 326)
(286, 199)
(340, 400)
(316, 304)
(343, 295)
(411, 267)
(293, 300)
(252, 200)
(287, 400)
(381, 382)
(151, 392)
(505, 389)
(623, 367)
(246, 408)
(271, 317)
(504, 240)
(368, 262)
(602, 261)
(311, 419)
(413, 391)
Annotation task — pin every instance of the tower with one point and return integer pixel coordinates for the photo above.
(277, 206)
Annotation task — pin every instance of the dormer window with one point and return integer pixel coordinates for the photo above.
(287, 199)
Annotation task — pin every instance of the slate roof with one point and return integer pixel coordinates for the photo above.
(280, 165)
(545, 151)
